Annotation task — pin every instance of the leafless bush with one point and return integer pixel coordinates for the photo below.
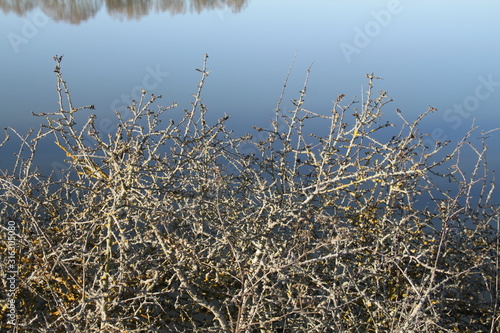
(178, 228)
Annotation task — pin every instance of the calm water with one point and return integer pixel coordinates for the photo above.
(443, 54)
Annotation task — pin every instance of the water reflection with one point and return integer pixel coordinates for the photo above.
(79, 11)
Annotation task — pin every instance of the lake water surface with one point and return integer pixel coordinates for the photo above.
(443, 54)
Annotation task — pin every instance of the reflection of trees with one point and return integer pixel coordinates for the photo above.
(138, 8)
(235, 5)
(130, 8)
(71, 11)
(78, 11)
(19, 7)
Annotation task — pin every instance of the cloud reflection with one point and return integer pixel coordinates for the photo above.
(76, 12)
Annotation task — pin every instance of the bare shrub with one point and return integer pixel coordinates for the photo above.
(179, 228)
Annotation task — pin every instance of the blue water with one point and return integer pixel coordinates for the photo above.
(442, 54)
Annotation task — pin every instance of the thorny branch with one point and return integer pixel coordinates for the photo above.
(189, 228)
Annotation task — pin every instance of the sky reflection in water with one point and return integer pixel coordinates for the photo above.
(441, 54)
